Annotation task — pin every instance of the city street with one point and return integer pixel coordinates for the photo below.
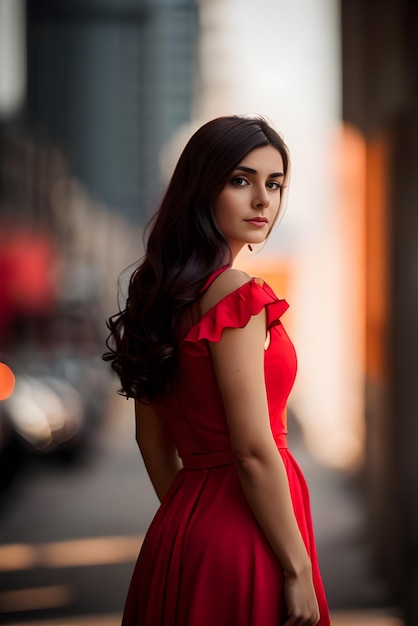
(70, 535)
(123, 127)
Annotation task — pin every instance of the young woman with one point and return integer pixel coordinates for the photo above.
(201, 348)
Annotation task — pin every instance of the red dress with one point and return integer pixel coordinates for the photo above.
(205, 560)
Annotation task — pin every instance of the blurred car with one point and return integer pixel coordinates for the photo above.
(57, 404)
(45, 412)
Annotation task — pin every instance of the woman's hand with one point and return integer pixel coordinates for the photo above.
(302, 605)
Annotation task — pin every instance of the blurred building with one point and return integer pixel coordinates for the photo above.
(89, 92)
(93, 89)
(109, 82)
(380, 103)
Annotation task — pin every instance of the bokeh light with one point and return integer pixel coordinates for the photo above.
(7, 381)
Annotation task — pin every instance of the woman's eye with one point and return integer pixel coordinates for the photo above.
(239, 181)
(273, 185)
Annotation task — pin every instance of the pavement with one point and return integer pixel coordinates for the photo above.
(368, 618)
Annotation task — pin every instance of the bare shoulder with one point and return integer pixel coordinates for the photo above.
(224, 284)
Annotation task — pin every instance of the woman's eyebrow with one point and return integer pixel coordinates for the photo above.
(250, 170)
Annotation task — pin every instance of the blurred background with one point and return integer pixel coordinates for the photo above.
(97, 99)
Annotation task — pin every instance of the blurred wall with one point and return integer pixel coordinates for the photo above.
(380, 99)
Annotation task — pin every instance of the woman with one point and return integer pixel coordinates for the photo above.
(201, 348)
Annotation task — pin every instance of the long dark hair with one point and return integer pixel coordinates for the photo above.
(184, 248)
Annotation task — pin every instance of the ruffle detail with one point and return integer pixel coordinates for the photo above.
(235, 311)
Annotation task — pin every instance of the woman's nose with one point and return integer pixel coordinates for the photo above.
(260, 199)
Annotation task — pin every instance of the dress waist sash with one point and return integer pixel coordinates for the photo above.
(208, 460)
(220, 458)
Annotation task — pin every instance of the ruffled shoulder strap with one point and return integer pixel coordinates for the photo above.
(235, 311)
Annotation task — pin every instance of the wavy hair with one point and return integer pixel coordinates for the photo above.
(185, 246)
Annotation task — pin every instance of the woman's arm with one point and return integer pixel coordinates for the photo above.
(157, 449)
(238, 360)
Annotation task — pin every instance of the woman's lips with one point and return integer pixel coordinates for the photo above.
(258, 222)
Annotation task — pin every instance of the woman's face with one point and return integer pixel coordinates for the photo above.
(247, 206)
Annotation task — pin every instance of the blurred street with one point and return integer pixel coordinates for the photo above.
(75, 529)
(97, 99)
(70, 535)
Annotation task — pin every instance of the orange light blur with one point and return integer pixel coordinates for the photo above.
(7, 381)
